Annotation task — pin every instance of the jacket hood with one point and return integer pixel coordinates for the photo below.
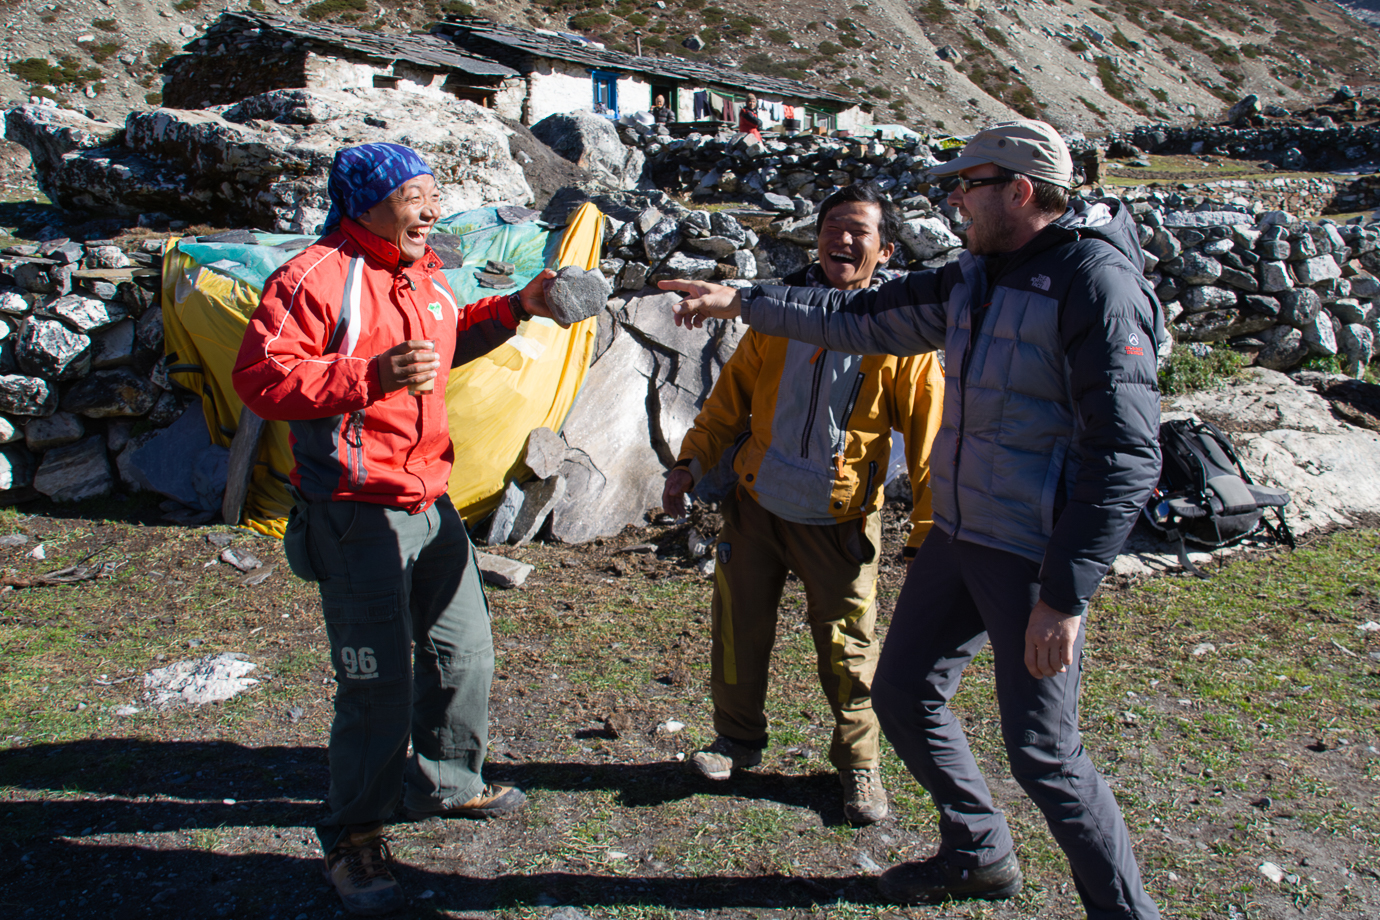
(1107, 219)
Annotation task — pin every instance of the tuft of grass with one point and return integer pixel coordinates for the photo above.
(159, 52)
(103, 51)
(67, 70)
(327, 9)
(1119, 89)
(106, 25)
(590, 21)
(1326, 364)
(1185, 371)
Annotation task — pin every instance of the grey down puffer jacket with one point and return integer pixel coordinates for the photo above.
(1050, 440)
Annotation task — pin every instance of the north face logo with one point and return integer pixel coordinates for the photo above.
(1040, 281)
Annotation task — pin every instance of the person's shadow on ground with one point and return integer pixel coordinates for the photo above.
(60, 858)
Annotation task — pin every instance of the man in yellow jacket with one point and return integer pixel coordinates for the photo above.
(809, 433)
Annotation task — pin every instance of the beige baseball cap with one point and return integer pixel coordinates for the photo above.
(1031, 148)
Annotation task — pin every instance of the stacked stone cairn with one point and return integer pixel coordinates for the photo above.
(81, 338)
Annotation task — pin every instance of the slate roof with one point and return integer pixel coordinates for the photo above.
(423, 50)
(557, 47)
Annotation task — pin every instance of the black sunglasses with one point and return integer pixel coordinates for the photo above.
(963, 182)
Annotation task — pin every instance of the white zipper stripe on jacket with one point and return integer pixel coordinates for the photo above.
(438, 281)
(353, 287)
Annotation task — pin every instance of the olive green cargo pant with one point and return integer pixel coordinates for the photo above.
(409, 629)
(837, 564)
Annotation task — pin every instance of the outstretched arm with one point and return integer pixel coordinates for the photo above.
(902, 317)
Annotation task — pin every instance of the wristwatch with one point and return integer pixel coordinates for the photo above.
(515, 304)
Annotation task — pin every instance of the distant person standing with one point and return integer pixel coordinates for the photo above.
(351, 344)
(749, 121)
(661, 114)
(809, 434)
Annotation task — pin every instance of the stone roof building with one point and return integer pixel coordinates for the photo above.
(245, 54)
(523, 74)
(565, 71)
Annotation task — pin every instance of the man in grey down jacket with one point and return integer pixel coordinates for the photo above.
(1048, 449)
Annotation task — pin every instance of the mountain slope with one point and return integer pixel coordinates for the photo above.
(1082, 65)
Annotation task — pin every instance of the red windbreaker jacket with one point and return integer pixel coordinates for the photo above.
(310, 357)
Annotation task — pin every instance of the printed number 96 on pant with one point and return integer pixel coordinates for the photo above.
(359, 663)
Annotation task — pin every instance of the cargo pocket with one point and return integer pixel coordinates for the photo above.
(295, 546)
(368, 646)
(858, 544)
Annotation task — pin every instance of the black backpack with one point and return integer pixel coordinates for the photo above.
(1205, 495)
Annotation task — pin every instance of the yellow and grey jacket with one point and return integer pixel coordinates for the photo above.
(810, 429)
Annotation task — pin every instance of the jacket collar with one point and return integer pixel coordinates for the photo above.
(379, 250)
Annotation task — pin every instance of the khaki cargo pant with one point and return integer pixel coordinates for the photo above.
(837, 564)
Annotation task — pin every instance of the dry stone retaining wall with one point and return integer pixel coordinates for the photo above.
(81, 338)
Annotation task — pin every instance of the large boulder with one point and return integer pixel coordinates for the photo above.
(641, 395)
(51, 134)
(591, 142)
(263, 162)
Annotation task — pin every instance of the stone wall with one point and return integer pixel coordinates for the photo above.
(81, 338)
(1275, 289)
(781, 167)
(1296, 195)
(1286, 146)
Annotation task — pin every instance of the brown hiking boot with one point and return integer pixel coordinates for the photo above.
(493, 800)
(720, 759)
(864, 796)
(358, 868)
(936, 880)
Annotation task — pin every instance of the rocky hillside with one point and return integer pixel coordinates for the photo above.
(1085, 66)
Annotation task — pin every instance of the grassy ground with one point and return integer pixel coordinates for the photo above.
(1197, 169)
(1236, 720)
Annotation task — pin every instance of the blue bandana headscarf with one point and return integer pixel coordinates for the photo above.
(363, 176)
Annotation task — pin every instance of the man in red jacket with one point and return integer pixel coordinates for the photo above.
(351, 344)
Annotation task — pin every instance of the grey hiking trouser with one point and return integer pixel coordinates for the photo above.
(409, 630)
(956, 597)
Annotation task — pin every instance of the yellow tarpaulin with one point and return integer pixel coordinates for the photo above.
(494, 402)
(204, 318)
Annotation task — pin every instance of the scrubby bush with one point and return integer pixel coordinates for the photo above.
(590, 21)
(102, 52)
(67, 70)
(328, 9)
(159, 52)
(106, 25)
(1186, 370)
